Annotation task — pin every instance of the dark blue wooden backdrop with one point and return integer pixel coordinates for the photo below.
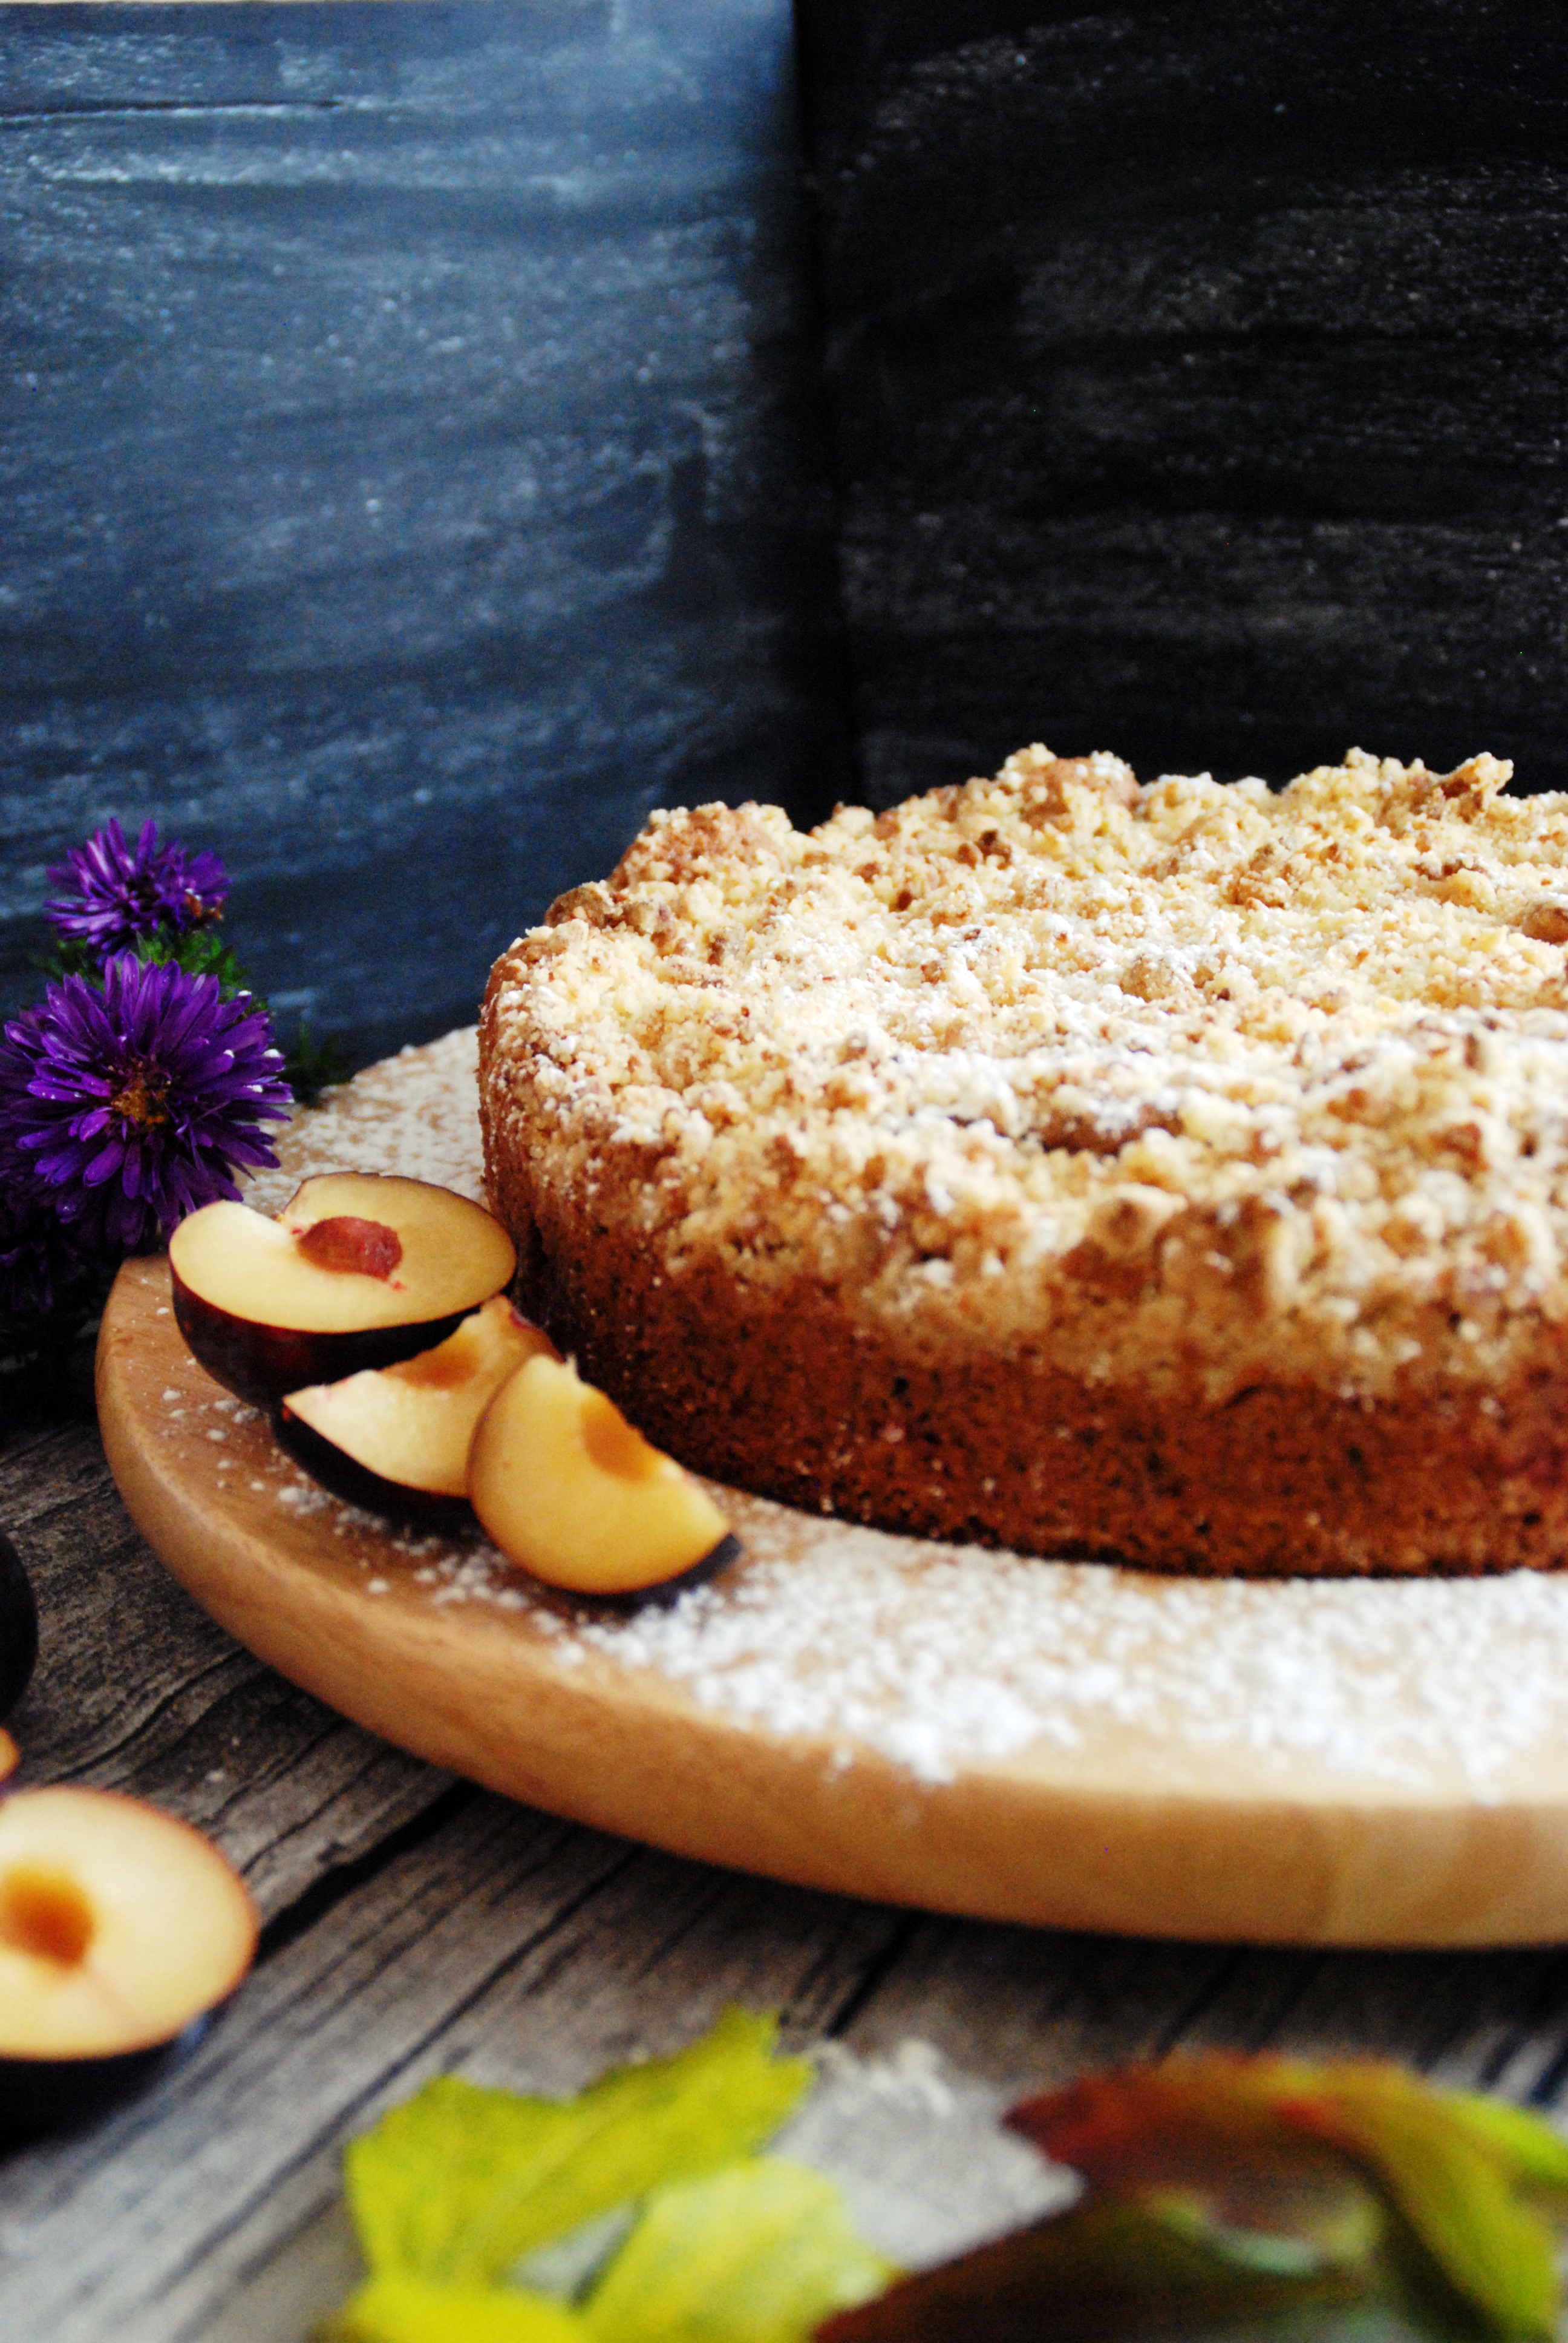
(408, 469)
(1199, 376)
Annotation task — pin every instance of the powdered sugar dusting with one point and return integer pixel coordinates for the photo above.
(940, 1657)
(416, 1113)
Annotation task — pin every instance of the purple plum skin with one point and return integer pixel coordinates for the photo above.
(263, 1363)
(18, 1628)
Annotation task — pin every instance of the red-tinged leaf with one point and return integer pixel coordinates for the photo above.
(1452, 2189)
(1210, 2124)
(1105, 2270)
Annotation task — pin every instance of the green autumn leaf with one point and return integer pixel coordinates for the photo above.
(1533, 2155)
(460, 2183)
(1108, 2268)
(756, 2253)
(1453, 2191)
(398, 2307)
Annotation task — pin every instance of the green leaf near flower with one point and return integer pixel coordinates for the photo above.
(199, 951)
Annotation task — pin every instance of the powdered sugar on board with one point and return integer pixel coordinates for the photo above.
(941, 1657)
(416, 1113)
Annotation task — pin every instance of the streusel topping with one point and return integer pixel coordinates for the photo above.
(1183, 1082)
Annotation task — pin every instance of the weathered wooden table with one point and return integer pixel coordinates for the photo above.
(416, 1925)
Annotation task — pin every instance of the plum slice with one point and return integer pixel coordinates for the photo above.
(359, 1270)
(121, 1931)
(569, 1490)
(393, 1436)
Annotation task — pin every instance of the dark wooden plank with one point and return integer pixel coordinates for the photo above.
(1198, 379)
(1482, 2021)
(409, 462)
(510, 1948)
(1018, 2006)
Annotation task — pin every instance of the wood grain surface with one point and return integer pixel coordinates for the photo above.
(1198, 377)
(409, 462)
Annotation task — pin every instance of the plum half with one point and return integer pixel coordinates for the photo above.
(359, 1270)
(121, 1931)
(18, 1628)
(567, 1489)
(397, 1438)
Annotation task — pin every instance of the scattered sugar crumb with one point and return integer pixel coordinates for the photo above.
(378, 1586)
(301, 1497)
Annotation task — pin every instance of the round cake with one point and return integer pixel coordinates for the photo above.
(1173, 1174)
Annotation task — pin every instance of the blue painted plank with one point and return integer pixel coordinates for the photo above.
(408, 466)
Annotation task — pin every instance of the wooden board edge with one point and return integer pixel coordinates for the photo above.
(607, 1746)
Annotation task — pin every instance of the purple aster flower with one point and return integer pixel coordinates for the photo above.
(134, 1103)
(121, 891)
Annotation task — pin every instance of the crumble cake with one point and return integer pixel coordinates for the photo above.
(1173, 1174)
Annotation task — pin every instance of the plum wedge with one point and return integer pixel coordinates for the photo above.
(394, 1435)
(569, 1490)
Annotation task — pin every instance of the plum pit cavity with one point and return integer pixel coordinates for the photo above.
(43, 1913)
(615, 1445)
(347, 1242)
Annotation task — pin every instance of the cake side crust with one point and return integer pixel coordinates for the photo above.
(785, 1397)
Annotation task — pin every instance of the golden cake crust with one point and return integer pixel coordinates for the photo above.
(1177, 1173)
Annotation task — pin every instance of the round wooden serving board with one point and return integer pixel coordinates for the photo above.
(1195, 1778)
